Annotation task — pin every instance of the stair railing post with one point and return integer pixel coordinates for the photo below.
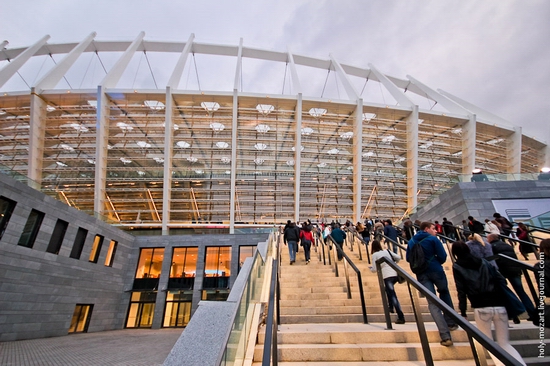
(347, 277)
(421, 327)
(477, 351)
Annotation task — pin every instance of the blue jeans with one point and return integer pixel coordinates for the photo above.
(525, 299)
(433, 280)
(392, 297)
(292, 249)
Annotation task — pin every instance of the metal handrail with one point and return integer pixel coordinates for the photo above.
(473, 333)
(270, 352)
(509, 238)
(525, 268)
(347, 260)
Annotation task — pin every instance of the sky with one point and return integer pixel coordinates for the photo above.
(493, 54)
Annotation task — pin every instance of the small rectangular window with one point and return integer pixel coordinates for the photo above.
(96, 249)
(30, 231)
(111, 253)
(6, 210)
(81, 318)
(79, 243)
(57, 236)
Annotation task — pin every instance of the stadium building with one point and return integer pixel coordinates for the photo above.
(159, 135)
(141, 141)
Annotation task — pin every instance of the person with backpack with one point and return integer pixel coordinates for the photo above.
(425, 254)
(476, 280)
(475, 226)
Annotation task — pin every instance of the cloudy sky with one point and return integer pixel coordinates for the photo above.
(494, 54)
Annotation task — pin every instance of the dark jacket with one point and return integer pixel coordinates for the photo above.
(433, 250)
(338, 235)
(390, 232)
(292, 233)
(476, 227)
(476, 279)
(506, 268)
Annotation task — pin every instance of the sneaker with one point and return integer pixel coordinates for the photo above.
(307, 262)
(446, 343)
(400, 321)
(453, 327)
(516, 320)
(291, 262)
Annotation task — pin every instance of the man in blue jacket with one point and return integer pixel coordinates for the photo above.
(434, 277)
(339, 236)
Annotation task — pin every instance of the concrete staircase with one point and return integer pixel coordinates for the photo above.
(321, 326)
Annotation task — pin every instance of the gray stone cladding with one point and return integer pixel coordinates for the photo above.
(475, 199)
(39, 290)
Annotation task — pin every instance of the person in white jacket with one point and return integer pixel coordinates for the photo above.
(390, 277)
(491, 228)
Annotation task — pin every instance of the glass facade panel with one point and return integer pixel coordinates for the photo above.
(111, 253)
(183, 268)
(6, 209)
(245, 251)
(141, 310)
(30, 231)
(96, 248)
(217, 267)
(178, 308)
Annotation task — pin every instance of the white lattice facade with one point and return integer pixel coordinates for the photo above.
(158, 134)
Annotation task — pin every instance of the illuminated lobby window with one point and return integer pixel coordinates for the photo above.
(183, 268)
(96, 249)
(148, 269)
(178, 308)
(142, 307)
(81, 318)
(216, 273)
(111, 253)
(245, 251)
(30, 231)
(6, 209)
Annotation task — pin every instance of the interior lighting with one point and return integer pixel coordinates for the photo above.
(192, 159)
(260, 146)
(262, 128)
(67, 147)
(225, 160)
(317, 112)
(301, 148)
(2, 112)
(183, 144)
(91, 161)
(346, 135)
(125, 161)
(426, 145)
(93, 103)
(217, 127)
(321, 165)
(61, 164)
(50, 108)
(124, 126)
(259, 161)
(306, 131)
(545, 170)
(495, 141)
(290, 162)
(79, 127)
(154, 104)
(457, 131)
(388, 139)
(141, 173)
(368, 154)
(143, 144)
(158, 160)
(198, 171)
(222, 145)
(368, 116)
(265, 109)
(333, 151)
(210, 106)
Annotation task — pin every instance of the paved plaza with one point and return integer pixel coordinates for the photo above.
(128, 347)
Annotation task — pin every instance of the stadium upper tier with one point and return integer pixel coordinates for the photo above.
(158, 134)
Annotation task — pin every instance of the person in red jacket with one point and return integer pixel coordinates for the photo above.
(306, 240)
